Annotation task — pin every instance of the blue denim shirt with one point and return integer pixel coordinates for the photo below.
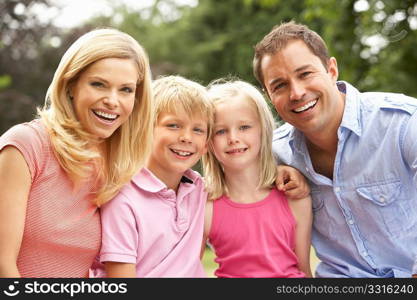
(365, 219)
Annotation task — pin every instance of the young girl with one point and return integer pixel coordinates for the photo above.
(254, 230)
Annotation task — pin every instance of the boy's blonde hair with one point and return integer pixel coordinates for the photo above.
(221, 91)
(129, 146)
(172, 93)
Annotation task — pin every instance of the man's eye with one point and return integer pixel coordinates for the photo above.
(279, 86)
(305, 74)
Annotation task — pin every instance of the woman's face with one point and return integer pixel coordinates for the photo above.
(104, 95)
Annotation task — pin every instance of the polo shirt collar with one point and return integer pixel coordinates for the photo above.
(147, 181)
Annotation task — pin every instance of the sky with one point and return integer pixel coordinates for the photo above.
(75, 12)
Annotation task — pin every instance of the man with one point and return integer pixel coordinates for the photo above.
(359, 151)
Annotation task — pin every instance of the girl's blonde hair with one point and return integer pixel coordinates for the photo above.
(174, 92)
(220, 91)
(129, 146)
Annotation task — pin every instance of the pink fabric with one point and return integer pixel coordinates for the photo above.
(62, 227)
(148, 225)
(256, 239)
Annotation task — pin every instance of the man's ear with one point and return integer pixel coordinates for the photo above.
(332, 69)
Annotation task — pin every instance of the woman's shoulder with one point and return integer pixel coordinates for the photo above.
(26, 133)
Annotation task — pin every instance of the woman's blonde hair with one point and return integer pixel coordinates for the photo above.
(174, 92)
(221, 91)
(129, 146)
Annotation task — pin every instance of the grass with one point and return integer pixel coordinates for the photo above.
(210, 265)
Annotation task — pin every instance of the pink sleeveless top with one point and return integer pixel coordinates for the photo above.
(62, 231)
(256, 239)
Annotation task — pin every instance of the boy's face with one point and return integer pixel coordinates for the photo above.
(179, 142)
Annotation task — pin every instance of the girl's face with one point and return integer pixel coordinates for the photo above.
(236, 140)
(104, 95)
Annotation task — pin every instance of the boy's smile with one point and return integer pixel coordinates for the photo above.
(179, 142)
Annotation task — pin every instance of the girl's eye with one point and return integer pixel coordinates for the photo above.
(244, 127)
(221, 131)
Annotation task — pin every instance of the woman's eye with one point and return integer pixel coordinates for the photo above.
(127, 90)
(97, 84)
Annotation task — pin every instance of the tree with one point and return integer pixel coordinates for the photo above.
(25, 61)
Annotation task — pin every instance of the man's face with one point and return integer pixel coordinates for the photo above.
(303, 92)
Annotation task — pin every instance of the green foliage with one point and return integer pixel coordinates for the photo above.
(5, 81)
(216, 39)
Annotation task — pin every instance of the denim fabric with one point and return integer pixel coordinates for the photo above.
(365, 218)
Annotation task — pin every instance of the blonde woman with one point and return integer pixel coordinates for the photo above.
(254, 230)
(91, 137)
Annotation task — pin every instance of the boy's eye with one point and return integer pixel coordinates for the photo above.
(173, 125)
(199, 130)
(220, 131)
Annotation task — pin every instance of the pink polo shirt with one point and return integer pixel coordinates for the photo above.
(147, 224)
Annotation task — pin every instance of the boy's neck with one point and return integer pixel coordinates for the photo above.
(172, 180)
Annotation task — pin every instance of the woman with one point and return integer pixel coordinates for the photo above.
(92, 135)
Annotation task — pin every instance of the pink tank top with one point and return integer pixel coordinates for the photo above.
(256, 239)
(62, 233)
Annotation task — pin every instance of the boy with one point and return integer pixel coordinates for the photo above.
(154, 227)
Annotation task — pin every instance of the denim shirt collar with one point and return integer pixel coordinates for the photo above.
(351, 116)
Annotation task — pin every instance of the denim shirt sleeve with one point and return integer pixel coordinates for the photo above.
(409, 145)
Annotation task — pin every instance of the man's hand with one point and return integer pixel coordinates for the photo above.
(291, 182)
